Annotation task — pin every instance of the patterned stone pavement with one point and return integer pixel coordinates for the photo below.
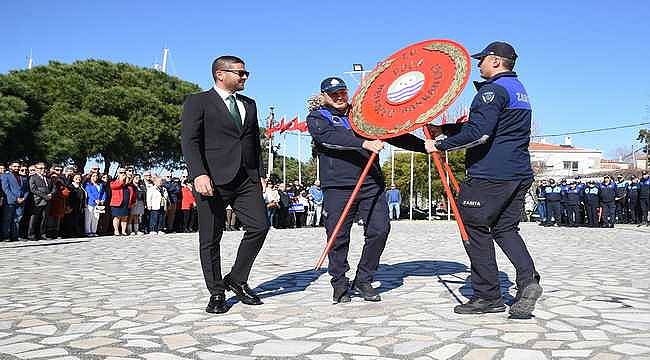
(144, 298)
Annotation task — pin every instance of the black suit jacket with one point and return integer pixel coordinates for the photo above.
(40, 190)
(213, 145)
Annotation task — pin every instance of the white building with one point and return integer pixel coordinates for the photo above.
(563, 160)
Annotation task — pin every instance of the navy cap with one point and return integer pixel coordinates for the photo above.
(497, 48)
(332, 84)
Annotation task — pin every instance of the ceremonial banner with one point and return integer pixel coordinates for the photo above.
(410, 89)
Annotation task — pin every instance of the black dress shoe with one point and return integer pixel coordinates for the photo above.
(481, 306)
(217, 304)
(341, 295)
(366, 291)
(242, 292)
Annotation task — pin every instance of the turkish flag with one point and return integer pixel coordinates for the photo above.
(302, 127)
(292, 125)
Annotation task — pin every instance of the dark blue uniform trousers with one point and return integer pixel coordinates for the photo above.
(371, 206)
(491, 211)
(554, 209)
(609, 213)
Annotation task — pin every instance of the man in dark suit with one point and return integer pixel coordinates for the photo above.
(42, 190)
(221, 146)
(16, 190)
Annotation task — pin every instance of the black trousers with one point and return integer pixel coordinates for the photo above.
(553, 210)
(245, 197)
(592, 214)
(644, 204)
(188, 220)
(572, 214)
(491, 211)
(38, 222)
(621, 211)
(633, 205)
(609, 213)
(371, 206)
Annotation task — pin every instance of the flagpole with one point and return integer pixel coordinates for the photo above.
(392, 164)
(411, 200)
(447, 176)
(429, 173)
(269, 168)
(284, 158)
(299, 154)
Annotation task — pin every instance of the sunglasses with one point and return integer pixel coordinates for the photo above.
(240, 73)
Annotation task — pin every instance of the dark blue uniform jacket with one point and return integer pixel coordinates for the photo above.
(340, 152)
(572, 197)
(553, 193)
(607, 192)
(591, 195)
(498, 131)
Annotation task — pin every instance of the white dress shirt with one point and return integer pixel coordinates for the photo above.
(240, 105)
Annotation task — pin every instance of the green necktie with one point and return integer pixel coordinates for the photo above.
(234, 111)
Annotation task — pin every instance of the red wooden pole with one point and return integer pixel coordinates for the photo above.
(344, 214)
(452, 177)
(450, 197)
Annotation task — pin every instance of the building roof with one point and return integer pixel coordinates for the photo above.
(534, 146)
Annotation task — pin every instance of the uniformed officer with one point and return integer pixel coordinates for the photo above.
(343, 155)
(607, 201)
(592, 202)
(581, 208)
(540, 193)
(553, 203)
(621, 199)
(633, 200)
(499, 175)
(644, 197)
(564, 187)
(572, 198)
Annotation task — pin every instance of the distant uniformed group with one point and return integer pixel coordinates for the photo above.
(574, 203)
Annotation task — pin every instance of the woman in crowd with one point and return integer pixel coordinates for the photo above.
(157, 199)
(122, 199)
(301, 207)
(138, 209)
(57, 205)
(188, 203)
(272, 200)
(75, 207)
(95, 203)
(105, 226)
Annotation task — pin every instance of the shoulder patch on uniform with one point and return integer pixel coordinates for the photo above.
(487, 96)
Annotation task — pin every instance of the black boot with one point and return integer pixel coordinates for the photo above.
(366, 291)
(481, 306)
(341, 295)
(525, 301)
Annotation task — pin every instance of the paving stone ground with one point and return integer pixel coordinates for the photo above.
(144, 297)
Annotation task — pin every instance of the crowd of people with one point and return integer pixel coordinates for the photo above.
(39, 202)
(594, 204)
(292, 206)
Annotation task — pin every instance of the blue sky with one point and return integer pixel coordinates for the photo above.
(583, 63)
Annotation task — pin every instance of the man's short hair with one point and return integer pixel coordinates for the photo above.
(224, 62)
(508, 63)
